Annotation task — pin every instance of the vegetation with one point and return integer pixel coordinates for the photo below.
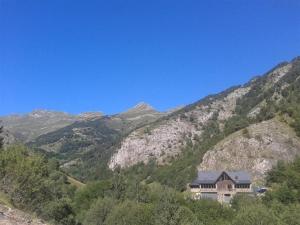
(1, 138)
(182, 169)
(152, 194)
(94, 153)
(36, 185)
(119, 201)
(179, 172)
(285, 182)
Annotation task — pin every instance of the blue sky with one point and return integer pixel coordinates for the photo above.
(99, 55)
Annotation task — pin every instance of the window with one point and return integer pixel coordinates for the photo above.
(242, 186)
(208, 186)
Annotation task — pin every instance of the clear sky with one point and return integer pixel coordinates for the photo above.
(107, 55)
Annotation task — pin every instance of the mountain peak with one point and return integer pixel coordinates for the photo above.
(138, 109)
(142, 106)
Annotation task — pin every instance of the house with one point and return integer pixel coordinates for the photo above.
(220, 185)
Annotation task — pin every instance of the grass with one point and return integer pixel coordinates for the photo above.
(75, 182)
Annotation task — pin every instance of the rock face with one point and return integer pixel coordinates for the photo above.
(255, 149)
(89, 142)
(165, 139)
(275, 75)
(140, 145)
(94, 142)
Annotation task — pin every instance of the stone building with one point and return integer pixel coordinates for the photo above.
(220, 185)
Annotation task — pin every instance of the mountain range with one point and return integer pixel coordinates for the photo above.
(248, 127)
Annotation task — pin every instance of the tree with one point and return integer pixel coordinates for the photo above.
(211, 212)
(31, 185)
(291, 215)
(131, 213)
(87, 195)
(60, 212)
(277, 174)
(169, 212)
(285, 182)
(242, 200)
(257, 214)
(1, 138)
(99, 211)
(118, 184)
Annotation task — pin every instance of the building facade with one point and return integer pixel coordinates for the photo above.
(220, 185)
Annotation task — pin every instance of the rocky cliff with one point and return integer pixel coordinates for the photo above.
(256, 148)
(243, 120)
(164, 139)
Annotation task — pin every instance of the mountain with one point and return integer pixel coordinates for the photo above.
(29, 126)
(267, 106)
(140, 108)
(249, 127)
(85, 146)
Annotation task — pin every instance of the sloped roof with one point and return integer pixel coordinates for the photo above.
(211, 177)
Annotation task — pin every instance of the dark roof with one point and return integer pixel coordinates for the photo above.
(211, 177)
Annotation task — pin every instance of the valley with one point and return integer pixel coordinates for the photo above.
(135, 166)
(91, 145)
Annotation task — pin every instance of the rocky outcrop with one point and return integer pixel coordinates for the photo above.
(167, 138)
(275, 75)
(159, 143)
(142, 133)
(255, 149)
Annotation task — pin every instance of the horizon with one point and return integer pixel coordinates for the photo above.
(109, 56)
(77, 114)
(141, 102)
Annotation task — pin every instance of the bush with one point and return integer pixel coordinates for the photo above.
(130, 213)
(33, 186)
(99, 211)
(257, 214)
